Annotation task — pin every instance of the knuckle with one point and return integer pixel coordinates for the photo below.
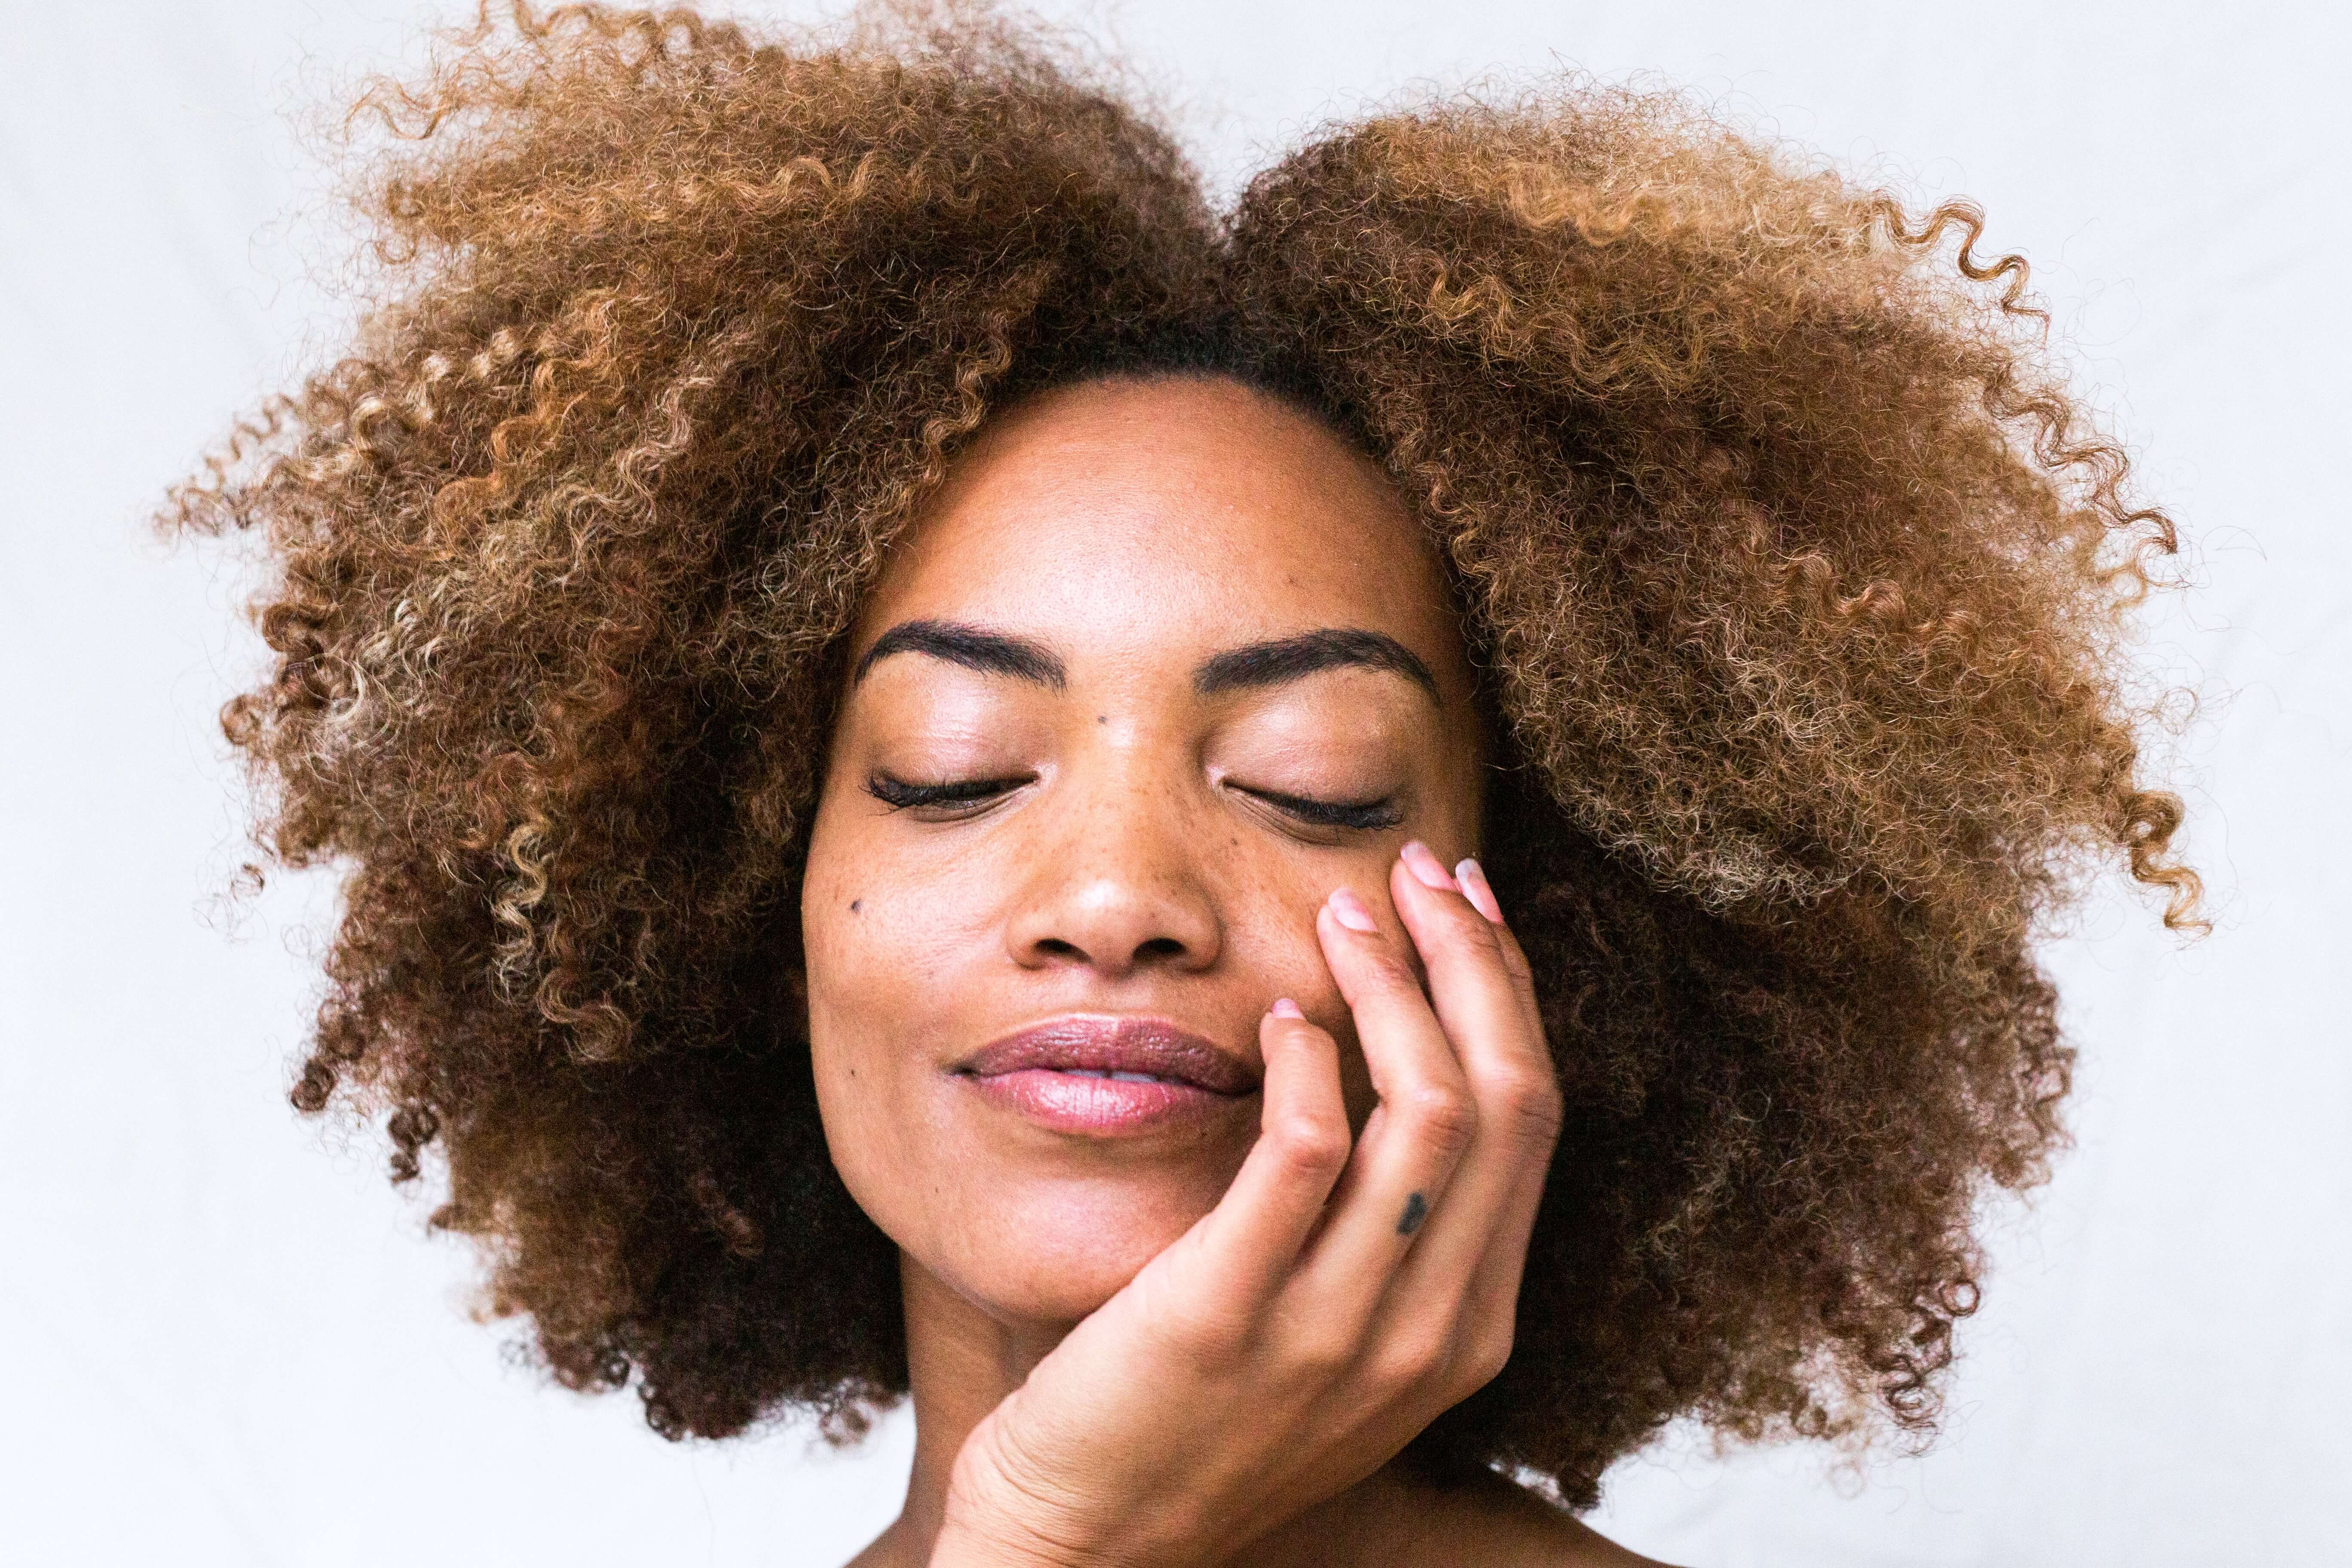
(1206, 1331)
(1486, 1354)
(1323, 1358)
(1410, 1360)
(1464, 930)
(1385, 968)
(1310, 1145)
(1443, 1117)
(1515, 962)
(1208, 1344)
(1529, 1105)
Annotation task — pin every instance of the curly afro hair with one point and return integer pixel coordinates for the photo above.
(1798, 575)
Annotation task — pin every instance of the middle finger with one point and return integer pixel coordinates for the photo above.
(1415, 1137)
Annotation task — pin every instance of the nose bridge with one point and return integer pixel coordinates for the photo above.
(1118, 877)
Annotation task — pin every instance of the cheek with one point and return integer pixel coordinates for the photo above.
(1275, 896)
(908, 964)
(872, 914)
(860, 948)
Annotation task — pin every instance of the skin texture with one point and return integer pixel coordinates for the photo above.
(1145, 528)
(1796, 577)
(1134, 530)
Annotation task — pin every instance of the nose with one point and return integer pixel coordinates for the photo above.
(1115, 886)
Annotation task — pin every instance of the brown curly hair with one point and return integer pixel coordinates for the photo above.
(1797, 573)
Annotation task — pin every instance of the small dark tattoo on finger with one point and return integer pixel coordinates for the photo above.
(1416, 1209)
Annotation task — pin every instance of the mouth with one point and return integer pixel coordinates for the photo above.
(1107, 1075)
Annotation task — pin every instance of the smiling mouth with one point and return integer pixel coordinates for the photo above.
(1116, 1048)
(1107, 1075)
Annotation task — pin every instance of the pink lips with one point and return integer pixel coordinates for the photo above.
(1107, 1075)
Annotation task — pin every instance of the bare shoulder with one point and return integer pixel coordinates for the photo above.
(1507, 1526)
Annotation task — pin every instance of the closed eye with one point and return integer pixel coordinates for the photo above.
(958, 798)
(941, 802)
(1355, 816)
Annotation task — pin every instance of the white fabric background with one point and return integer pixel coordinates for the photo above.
(231, 1343)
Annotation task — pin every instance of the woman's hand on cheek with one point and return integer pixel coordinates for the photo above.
(1333, 1303)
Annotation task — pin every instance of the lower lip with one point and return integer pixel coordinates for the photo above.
(1074, 1102)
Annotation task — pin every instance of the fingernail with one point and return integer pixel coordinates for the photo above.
(1350, 911)
(1475, 888)
(1426, 868)
(1285, 1008)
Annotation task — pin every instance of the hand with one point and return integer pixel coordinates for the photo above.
(1333, 1303)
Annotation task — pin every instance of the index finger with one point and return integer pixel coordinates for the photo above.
(1258, 1226)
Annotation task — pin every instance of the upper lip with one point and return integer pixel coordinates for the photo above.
(1093, 1043)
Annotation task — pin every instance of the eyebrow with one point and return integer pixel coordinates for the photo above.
(974, 647)
(1290, 657)
(1258, 664)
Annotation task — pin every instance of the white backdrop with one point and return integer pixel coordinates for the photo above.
(231, 1343)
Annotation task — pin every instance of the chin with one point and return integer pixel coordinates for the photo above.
(1054, 1250)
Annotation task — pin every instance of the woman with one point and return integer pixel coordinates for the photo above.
(1306, 869)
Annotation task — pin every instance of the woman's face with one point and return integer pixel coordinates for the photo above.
(1163, 663)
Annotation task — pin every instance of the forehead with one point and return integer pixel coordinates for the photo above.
(1165, 516)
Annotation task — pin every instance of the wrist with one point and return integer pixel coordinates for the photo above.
(975, 1546)
(991, 1522)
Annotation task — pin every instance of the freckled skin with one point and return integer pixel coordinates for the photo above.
(1135, 528)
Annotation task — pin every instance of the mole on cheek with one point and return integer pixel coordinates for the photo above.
(854, 903)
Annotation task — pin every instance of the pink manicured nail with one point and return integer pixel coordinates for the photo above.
(1426, 868)
(1475, 888)
(1350, 911)
(1285, 1008)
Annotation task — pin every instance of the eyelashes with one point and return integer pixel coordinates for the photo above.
(900, 796)
(1362, 816)
(964, 797)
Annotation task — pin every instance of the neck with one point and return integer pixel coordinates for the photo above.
(962, 1362)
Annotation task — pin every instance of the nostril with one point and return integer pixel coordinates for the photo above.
(1110, 928)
